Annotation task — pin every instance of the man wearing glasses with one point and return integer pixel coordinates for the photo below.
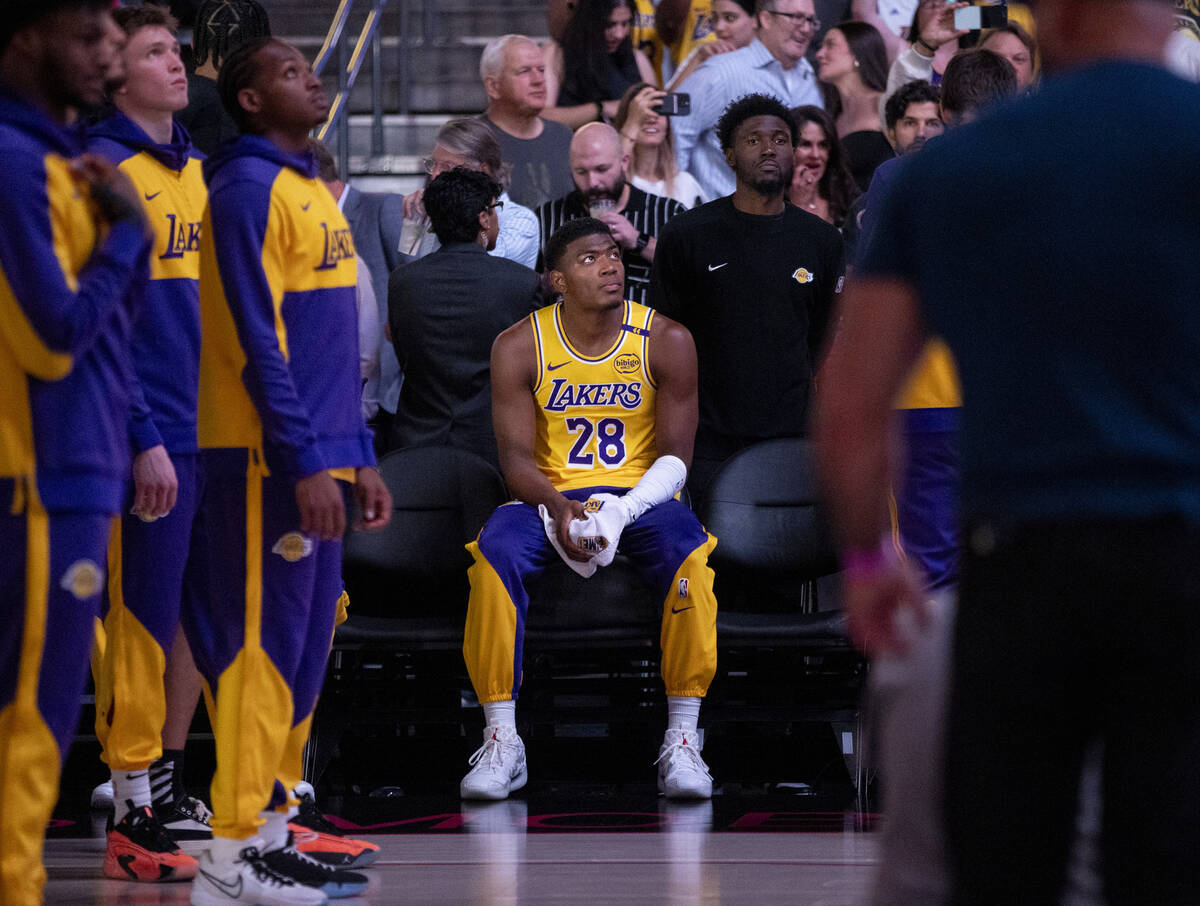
(446, 309)
(773, 64)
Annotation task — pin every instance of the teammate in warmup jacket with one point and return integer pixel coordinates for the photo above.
(282, 438)
(73, 245)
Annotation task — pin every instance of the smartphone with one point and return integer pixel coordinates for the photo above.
(674, 105)
(976, 18)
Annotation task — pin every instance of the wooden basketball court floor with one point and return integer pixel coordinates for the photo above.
(567, 844)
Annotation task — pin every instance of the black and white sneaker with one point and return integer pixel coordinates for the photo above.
(249, 879)
(335, 883)
(186, 819)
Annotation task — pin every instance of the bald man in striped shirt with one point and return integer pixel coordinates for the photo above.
(598, 167)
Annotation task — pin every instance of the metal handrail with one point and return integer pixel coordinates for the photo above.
(333, 36)
(348, 71)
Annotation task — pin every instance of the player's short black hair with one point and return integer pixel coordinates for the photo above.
(238, 72)
(20, 14)
(915, 92)
(975, 80)
(556, 246)
(748, 106)
(454, 200)
(221, 25)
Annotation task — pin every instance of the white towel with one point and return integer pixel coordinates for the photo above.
(599, 532)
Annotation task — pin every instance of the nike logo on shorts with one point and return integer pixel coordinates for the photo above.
(150, 197)
(716, 267)
(682, 609)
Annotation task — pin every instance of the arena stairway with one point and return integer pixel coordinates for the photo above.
(430, 72)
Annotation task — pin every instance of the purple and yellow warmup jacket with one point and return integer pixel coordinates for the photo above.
(68, 287)
(166, 335)
(279, 356)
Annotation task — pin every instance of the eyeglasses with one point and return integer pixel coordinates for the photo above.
(798, 19)
(434, 167)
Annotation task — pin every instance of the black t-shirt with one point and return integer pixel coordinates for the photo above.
(205, 117)
(757, 293)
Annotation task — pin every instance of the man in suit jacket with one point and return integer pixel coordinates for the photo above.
(446, 309)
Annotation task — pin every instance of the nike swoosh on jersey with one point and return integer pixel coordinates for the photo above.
(150, 197)
(682, 609)
(304, 207)
(230, 890)
(716, 267)
(556, 367)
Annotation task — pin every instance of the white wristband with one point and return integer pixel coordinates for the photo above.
(662, 481)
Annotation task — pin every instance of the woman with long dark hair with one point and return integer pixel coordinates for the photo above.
(647, 138)
(821, 182)
(587, 74)
(853, 68)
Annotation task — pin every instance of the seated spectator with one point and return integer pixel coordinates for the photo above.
(913, 116)
(821, 182)
(446, 309)
(221, 25)
(733, 27)
(754, 279)
(646, 137)
(513, 71)
(852, 64)
(596, 61)
(470, 143)
(601, 191)
(772, 64)
(932, 40)
(935, 41)
(1017, 46)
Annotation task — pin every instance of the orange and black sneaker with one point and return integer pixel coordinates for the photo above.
(139, 849)
(317, 838)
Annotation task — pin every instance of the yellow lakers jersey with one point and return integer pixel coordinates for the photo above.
(933, 383)
(645, 36)
(697, 29)
(595, 415)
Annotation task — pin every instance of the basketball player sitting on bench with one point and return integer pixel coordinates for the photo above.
(594, 405)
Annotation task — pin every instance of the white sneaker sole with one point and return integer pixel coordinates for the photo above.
(683, 794)
(515, 784)
(102, 796)
(205, 898)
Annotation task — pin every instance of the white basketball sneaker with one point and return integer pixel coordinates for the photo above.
(682, 773)
(102, 796)
(249, 879)
(498, 766)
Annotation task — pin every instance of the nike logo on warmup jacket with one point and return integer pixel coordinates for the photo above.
(716, 267)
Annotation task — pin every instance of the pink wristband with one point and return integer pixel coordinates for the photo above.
(863, 564)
